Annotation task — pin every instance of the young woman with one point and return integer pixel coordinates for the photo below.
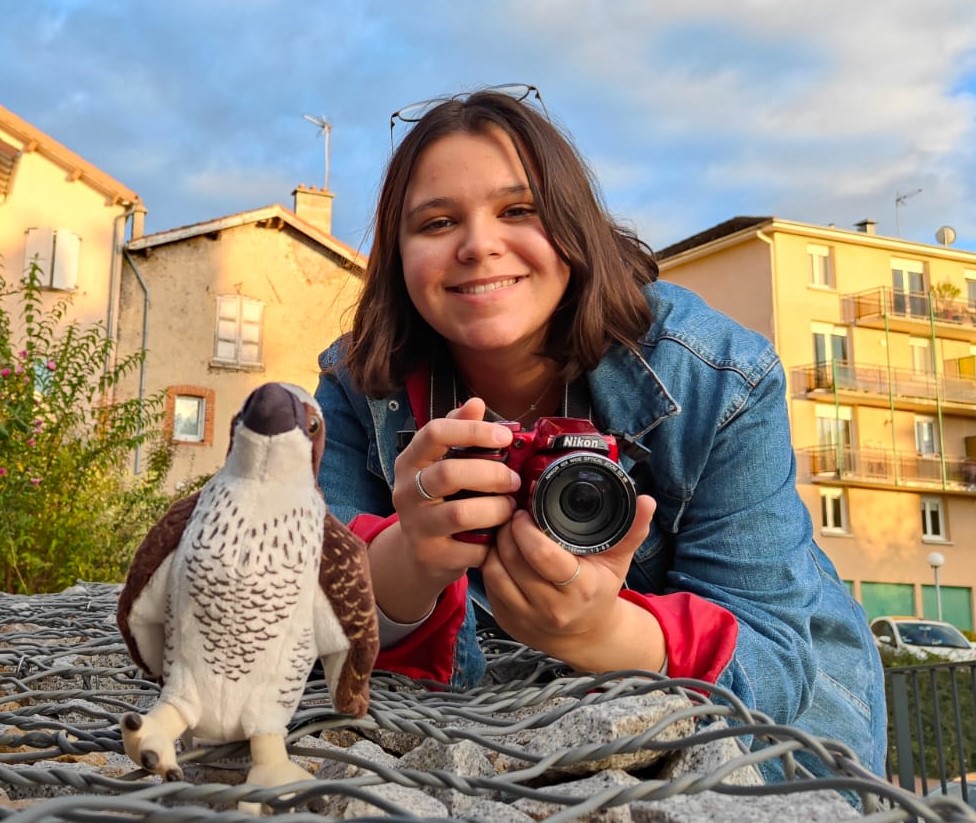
(498, 288)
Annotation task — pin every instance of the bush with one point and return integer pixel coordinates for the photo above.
(69, 507)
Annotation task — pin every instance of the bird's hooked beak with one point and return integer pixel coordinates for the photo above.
(272, 409)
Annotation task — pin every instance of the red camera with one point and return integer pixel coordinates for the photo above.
(572, 483)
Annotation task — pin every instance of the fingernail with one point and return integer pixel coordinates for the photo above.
(514, 480)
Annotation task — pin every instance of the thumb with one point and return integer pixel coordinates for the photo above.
(471, 409)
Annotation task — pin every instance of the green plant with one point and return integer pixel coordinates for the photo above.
(69, 506)
(945, 293)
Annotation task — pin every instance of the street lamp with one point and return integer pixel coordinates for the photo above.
(936, 561)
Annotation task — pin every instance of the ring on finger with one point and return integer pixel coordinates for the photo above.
(579, 568)
(419, 485)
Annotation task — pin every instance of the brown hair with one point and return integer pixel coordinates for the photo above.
(603, 303)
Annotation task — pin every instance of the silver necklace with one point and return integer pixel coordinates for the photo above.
(532, 407)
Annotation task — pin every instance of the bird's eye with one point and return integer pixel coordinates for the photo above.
(314, 424)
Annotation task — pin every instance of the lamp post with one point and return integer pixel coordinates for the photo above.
(936, 561)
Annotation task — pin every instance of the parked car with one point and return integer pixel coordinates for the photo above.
(921, 637)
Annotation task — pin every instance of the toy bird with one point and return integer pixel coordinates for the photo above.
(238, 589)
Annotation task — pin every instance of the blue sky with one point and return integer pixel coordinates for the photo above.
(689, 111)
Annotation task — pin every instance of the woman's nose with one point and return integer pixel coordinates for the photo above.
(480, 238)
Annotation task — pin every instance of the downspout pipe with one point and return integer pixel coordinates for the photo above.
(137, 458)
(115, 271)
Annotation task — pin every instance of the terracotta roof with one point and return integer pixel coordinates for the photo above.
(731, 226)
(33, 139)
(244, 218)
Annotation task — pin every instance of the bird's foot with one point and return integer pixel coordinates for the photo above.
(271, 768)
(149, 740)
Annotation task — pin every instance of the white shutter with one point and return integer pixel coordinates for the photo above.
(39, 250)
(67, 248)
(225, 346)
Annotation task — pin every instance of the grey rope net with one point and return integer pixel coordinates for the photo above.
(533, 742)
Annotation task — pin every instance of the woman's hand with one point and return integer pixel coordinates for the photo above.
(416, 558)
(567, 605)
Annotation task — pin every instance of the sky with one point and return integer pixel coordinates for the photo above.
(688, 111)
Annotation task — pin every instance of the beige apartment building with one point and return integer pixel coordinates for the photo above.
(66, 214)
(878, 339)
(224, 305)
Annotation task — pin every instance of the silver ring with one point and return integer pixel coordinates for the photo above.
(420, 487)
(579, 568)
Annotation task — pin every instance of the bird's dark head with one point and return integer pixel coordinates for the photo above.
(276, 408)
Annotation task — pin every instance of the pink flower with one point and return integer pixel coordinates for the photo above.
(51, 365)
(3, 471)
(32, 442)
(4, 372)
(35, 481)
(22, 354)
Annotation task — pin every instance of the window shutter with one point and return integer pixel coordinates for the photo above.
(252, 312)
(40, 250)
(226, 344)
(67, 248)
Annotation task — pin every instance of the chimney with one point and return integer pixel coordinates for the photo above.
(314, 206)
(867, 226)
(138, 222)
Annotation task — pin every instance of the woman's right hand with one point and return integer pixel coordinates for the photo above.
(417, 557)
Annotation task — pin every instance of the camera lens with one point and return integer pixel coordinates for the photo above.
(585, 502)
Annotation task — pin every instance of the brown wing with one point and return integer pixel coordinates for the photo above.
(159, 543)
(345, 580)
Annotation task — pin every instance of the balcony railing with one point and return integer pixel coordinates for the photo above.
(886, 467)
(955, 386)
(903, 310)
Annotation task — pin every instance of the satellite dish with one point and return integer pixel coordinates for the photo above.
(945, 236)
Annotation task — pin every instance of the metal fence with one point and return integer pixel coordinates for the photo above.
(65, 679)
(932, 727)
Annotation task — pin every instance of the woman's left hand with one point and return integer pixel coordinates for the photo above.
(567, 605)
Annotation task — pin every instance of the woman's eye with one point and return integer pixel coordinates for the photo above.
(437, 224)
(519, 211)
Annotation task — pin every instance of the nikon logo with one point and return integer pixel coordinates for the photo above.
(582, 441)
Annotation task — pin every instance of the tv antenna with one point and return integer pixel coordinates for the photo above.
(899, 202)
(325, 128)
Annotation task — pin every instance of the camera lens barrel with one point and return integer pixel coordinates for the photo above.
(584, 501)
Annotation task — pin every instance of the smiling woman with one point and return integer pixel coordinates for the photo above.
(509, 333)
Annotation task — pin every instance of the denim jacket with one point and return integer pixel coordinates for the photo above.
(707, 398)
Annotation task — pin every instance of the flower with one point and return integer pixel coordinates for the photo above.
(3, 471)
(51, 365)
(4, 372)
(32, 442)
(35, 481)
(22, 354)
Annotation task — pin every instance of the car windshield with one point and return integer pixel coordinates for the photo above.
(932, 634)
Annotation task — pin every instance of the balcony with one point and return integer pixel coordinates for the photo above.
(912, 313)
(881, 387)
(885, 468)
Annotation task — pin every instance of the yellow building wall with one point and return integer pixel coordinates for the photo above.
(308, 297)
(44, 196)
(884, 542)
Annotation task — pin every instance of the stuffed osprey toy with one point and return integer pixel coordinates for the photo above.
(238, 589)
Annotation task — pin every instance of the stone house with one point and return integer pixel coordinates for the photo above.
(224, 305)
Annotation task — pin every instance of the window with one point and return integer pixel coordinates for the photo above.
(833, 511)
(926, 443)
(831, 355)
(922, 362)
(56, 253)
(821, 266)
(908, 287)
(834, 426)
(933, 519)
(239, 331)
(190, 414)
(970, 290)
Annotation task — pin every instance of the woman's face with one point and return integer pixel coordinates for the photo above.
(477, 262)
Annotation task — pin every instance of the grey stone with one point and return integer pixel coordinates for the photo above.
(705, 758)
(707, 807)
(490, 811)
(465, 759)
(407, 800)
(335, 769)
(583, 789)
(604, 723)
